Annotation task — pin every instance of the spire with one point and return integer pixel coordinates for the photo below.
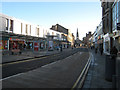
(77, 36)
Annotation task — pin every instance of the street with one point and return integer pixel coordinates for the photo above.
(71, 44)
(49, 72)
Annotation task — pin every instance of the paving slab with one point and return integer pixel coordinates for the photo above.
(96, 74)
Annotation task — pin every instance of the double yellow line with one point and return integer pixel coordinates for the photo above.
(80, 76)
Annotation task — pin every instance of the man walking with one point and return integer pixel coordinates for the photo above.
(114, 52)
(101, 50)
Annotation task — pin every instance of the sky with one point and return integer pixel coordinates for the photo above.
(85, 16)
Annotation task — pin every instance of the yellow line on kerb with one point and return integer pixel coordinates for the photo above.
(75, 84)
(23, 61)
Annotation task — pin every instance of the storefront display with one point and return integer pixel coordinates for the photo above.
(106, 43)
(1, 47)
(36, 46)
(4, 44)
(16, 43)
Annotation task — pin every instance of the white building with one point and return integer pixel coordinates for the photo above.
(16, 33)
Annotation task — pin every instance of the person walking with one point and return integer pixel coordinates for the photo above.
(96, 50)
(101, 50)
(114, 52)
(61, 47)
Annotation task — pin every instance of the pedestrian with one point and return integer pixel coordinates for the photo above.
(61, 48)
(114, 52)
(96, 50)
(101, 50)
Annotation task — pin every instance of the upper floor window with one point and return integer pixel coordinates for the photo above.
(37, 31)
(21, 27)
(26, 29)
(7, 22)
(52, 33)
(30, 29)
(11, 25)
(115, 15)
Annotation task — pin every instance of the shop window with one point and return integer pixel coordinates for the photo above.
(11, 25)
(7, 24)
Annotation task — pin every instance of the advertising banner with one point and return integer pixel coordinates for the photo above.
(36, 46)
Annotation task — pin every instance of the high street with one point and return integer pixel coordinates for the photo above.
(13, 68)
(59, 73)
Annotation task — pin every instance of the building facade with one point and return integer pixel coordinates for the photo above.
(107, 25)
(115, 22)
(19, 34)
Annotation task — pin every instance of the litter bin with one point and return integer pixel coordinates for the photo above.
(110, 62)
(118, 73)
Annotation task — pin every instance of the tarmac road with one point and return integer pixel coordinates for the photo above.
(14, 68)
(59, 74)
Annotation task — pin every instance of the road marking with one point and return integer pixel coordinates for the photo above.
(49, 64)
(11, 76)
(75, 84)
(32, 70)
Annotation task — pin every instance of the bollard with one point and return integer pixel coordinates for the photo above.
(109, 67)
(118, 73)
(114, 78)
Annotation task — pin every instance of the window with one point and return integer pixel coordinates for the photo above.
(37, 31)
(11, 25)
(26, 29)
(7, 22)
(21, 27)
(30, 29)
(116, 16)
(52, 33)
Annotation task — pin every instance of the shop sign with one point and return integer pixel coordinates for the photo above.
(12, 39)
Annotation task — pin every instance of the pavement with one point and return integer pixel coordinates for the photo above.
(28, 54)
(96, 74)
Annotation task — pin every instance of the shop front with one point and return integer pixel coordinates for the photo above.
(4, 44)
(29, 45)
(100, 41)
(64, 44)
(106, 43)
(15, 43)
(36, 46)
(116, 39)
